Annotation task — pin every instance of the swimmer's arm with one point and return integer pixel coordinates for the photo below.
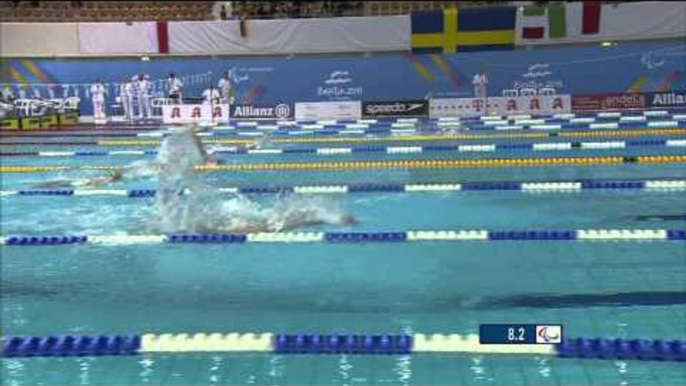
(53, 184)
(199, 145)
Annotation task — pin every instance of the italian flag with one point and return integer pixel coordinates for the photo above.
(557, 21)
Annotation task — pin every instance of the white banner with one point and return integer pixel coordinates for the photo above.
(328, 110)
(118, 38)
(345, 34)
(178, 114)
(473, 107)
(38, 39)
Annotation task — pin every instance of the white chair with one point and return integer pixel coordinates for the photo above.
(510, 93)
(157, 103)
(57, 104)
(527, 92)
(72, 103)
(546, 91)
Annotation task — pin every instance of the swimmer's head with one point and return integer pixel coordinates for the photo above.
(348, 220)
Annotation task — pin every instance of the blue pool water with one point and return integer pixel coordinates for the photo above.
(609, 289)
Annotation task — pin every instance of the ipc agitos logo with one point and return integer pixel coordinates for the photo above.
(549, 334)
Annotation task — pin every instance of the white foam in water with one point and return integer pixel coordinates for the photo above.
(207, 210)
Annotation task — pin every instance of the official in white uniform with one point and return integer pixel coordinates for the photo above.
(126, 96)
(98, 97)
(175, 88)
(143, 88)
(211, 96)
(480, 83)
(225, 88)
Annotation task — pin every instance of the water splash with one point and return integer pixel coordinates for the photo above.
(205, 210)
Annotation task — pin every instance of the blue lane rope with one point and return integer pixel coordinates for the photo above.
(553, 186)
(322, 344)
(531, 146)
(623, 235)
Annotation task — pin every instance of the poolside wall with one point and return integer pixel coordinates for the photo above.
(629, 67)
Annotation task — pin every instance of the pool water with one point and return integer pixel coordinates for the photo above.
(607, 289)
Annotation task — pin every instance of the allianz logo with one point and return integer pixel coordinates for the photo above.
(281, 110)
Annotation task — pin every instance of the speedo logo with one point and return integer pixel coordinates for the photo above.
(395, 108)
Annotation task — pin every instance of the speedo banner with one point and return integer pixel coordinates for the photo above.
(414, 108)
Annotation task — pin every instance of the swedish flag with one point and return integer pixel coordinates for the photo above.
(463, 30)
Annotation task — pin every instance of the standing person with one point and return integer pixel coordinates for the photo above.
(98, 97)
(175, 88)
(480, 83)
(211, 96)
(126, 96)
(143, 96)
(225, 88)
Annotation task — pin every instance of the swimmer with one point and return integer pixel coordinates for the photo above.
(660, 217)
(289, 225)
(94, 182)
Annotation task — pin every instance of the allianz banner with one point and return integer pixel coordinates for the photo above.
(667, 99)
(179, 114)
(379, 109)
(472, 107)
(280, 111)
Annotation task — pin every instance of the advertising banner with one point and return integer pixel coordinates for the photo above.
(471, 107)
(377, 109)
(280, 111)
(179, 114)
(605, 102)
(668, 99)
(328, 110)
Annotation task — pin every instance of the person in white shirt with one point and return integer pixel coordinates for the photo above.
(143, 95)
(480, 83)
(175, 88)
(211, 96)
(225, 88)
(126, 97)
(98, 97)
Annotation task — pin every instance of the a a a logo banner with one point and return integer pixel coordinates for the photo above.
(178, 114)
(472, 107)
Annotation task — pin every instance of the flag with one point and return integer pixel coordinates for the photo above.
(459, 30)
(558, 21)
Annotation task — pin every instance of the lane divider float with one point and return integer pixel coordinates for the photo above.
(401, 164)
(332, 344)
(533, 186)
(391, 150)
(400, 138)
(351, 237)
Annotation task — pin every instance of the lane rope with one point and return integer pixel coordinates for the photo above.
(384, 129)
(322, 344)
(531, 187)
(402, 164)
(399, 138)
(352, 237)
(390, 150)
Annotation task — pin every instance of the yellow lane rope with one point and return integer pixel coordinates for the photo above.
(433, 137)
(406, 164)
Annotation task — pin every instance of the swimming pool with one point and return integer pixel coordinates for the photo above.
(623, 288)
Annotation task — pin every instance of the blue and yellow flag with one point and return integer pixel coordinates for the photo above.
(463, 30)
